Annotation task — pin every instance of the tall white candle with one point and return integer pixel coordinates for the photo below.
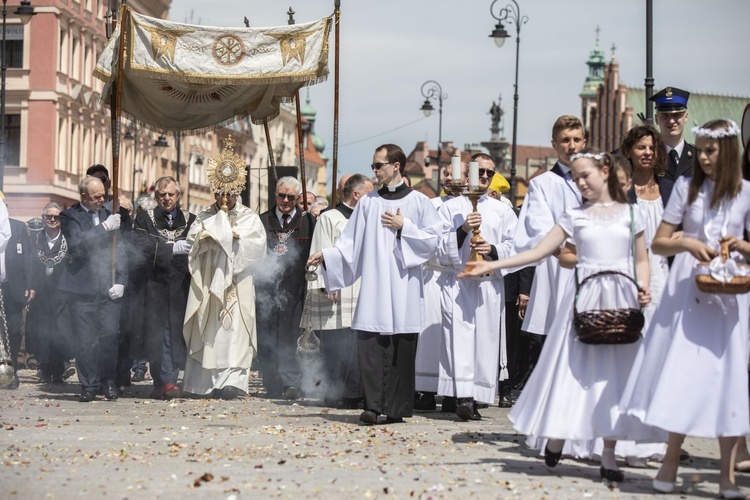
(473, 175)
(456, 168)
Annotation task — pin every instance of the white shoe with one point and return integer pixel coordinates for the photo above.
(663, 486)
(636, 462)
(732, 494)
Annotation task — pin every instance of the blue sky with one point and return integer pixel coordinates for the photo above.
(389, 48)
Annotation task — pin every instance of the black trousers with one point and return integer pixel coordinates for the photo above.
(387, 364)
(96, 332)
(339, 349)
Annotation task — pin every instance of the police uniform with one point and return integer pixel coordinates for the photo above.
(674, 100)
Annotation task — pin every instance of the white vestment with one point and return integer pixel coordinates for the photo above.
(472, 307)
(220, 315)
(389, 262)
(429, 341)
(326, 314)
(548, 197)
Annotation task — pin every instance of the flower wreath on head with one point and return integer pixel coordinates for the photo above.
(732, 130)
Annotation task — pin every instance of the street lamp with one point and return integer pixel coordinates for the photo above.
(24, 11)
(432, 90)
(511, 14)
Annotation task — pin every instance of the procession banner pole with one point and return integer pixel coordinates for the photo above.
(334, 174)
(116, 113)
(300, 138)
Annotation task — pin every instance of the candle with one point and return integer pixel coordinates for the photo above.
(456, 168)
(473, 175)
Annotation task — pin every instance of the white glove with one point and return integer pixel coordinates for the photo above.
(112, 222)
(181, 247)
(116, 292)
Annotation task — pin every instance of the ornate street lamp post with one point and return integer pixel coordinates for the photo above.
(432, 90)
(511, 14)
(25, 11)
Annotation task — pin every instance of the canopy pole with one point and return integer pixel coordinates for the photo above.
(334, 174)
(300, 138)
(116, 114)
(271, 158)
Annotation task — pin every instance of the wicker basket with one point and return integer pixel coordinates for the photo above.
(607, 326)
(708, 284)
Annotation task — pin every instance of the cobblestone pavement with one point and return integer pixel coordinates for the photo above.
(55, 447)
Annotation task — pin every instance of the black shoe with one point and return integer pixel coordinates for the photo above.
(506, 401)
(394, 420)
(369, 417)
(465, 409)
(138, 376)
(449, 405)
(111, 392)
(615, 476)
(551, 459)
(57, 379)
(291, 393)
(476, 415)
(231, 392)
(87, 396)
(684, 455)
(425, 402)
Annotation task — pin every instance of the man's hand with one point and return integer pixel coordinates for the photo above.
(522, 302)
(393, 221)
(482, 247)
(315, 259)
(112, 222)
(333, 297)
(473, 221)
(116, 292)
(181, 247)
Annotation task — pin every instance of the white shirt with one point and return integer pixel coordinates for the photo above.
(51, 241)
(94, 215)
(280, 216)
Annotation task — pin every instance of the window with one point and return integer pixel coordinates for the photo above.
(14, 45)
(12, 139)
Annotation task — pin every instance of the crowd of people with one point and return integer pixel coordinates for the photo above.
(462, 304)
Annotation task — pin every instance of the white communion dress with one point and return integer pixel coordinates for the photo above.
(690, 376)
(575, 390)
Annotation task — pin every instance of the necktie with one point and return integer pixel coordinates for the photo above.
(169, 220)
(286, 218)
(95, 217)
(674, 157)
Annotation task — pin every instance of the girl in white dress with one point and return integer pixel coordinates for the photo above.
(574, 391)
(690, 376)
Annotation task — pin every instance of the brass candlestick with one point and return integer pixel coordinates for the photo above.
(474, 193)
(455, 188)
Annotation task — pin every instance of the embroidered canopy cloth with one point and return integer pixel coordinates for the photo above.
(188, 78)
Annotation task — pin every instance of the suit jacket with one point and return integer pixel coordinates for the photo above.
(685, 167)
(665, 189)
(88, 270)
(18, 271)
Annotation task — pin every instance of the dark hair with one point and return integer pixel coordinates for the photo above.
(613, 184)
(746, 161)
(482, 156)
(622, 163)
(632, 138)
(98, 168)
(395, 155)
(354, 183)
(727, 173)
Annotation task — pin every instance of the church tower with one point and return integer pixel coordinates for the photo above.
(596, 64)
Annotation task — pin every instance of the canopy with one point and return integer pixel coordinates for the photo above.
(185, 78)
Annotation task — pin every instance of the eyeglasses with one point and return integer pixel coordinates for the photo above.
(51, 217)
(378, 166)
(486, 171)
(290, 197)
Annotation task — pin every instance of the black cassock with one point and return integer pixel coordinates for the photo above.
(48, 320)
(165, 281)
(279, 298)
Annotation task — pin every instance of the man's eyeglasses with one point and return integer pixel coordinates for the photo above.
(51, 217)
(487, 171)
(290, 197)
(378, 166)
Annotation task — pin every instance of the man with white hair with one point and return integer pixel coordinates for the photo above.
(280, 290)
(94, 291)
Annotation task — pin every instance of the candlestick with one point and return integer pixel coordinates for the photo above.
(474, 193)
(473, 175)
(456, 168)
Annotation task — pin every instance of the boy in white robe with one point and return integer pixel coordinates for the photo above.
(390, 235)
(549, 196)
(472, 308)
